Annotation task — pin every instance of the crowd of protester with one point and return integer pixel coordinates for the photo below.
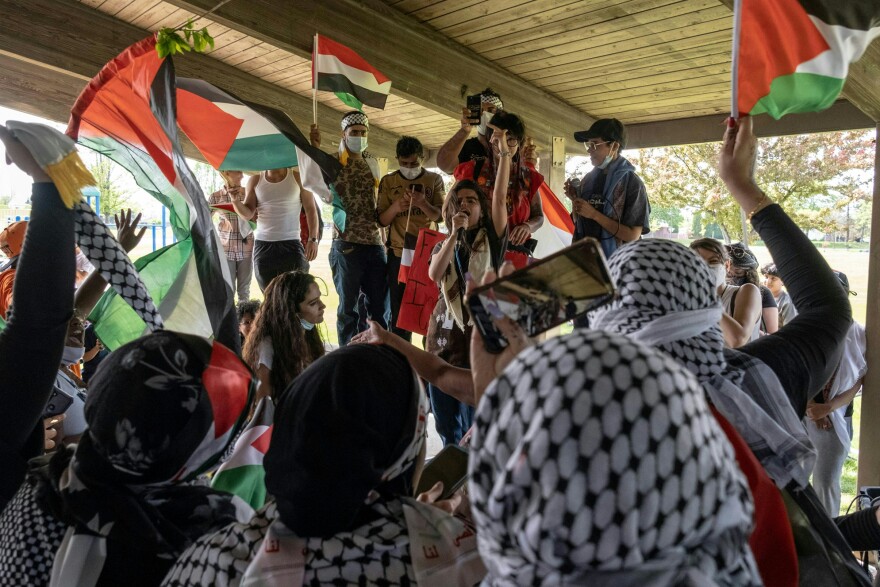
(692, 431)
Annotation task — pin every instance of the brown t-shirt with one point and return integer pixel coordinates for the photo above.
(357, 191)
(392, 187)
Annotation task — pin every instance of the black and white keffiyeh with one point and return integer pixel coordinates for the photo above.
(596, 461)
(110, 260)
(355, 118)
(493, 100)
(666, 298)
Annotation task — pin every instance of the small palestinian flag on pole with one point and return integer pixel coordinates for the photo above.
(336, 68)
(793, 55)
(243, 473)
(406, 256)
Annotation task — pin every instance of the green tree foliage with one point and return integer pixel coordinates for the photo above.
(108, 178)
(812, 177)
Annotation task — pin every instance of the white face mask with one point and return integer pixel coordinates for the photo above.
(356, 144)
(485, 117)
(719, 271)
(72, 355)
(306, 324)
(410, 172)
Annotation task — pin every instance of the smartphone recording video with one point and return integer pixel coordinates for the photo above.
(545, 294)
(417, 187)
(475, 108)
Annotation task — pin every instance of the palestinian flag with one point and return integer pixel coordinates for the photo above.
(793, 55)
(336, 68)
(128, 113)
(228, 208)
(420, 294)
(556, 232)
(237, 135)
(406, 256)
(243, 474)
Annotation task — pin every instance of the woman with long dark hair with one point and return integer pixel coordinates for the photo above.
(284, 339)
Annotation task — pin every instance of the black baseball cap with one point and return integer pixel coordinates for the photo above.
(609, 129)
(844, 281)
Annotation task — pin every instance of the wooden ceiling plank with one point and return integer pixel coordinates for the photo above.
(438, 9)
(616, 18)
(662, 52)
(531, 11)
(683, 98)
(574, 52)
(652, 22)
(408, 6)
(652, 85)
(664, 64)
(112, 7)
(171, 20)
(481, 14)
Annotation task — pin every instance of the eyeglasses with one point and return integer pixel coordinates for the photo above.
(593, 146)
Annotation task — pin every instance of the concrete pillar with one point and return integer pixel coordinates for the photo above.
(869, 439)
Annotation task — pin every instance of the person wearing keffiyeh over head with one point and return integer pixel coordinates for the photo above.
(596, 461)
(666, 299)
(347, 447)
(115, 510)
(357, 256)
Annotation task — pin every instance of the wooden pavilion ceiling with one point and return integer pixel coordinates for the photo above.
(636, 60)
(661, 66)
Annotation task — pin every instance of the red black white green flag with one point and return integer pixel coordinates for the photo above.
(794, 55)
(336, 68)
(128, 113)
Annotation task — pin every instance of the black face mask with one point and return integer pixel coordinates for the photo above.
(738, 279)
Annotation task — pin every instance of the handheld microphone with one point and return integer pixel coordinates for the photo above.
(459, 234)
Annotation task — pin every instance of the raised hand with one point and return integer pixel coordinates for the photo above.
(127, 232)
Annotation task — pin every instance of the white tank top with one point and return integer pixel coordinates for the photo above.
(278, 209)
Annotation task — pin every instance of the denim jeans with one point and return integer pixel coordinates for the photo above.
(452, 417)
(395, 294)
(358, 268)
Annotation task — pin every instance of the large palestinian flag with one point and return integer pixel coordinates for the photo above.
(128, 113)
(793, 55)
(237, 135)
(336, 68)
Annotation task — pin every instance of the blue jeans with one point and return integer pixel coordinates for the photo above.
(451, 417)
(359, 268)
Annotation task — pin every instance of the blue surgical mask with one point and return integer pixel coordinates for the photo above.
(606, 162)
(306, 324)
(356, 144)
(72, 355)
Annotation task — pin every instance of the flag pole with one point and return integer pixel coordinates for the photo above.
(315, 81)
(734, 61)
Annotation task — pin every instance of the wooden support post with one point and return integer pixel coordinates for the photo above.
(869, 439)
(556, 178)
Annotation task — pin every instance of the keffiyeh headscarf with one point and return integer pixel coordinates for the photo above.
(348, 433)
(160, 410)
(596, 461)
(493, 100)
(666, 298)
(353, 118)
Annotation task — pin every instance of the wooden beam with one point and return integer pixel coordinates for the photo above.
(425, 66)
(862, 86)
(71, 40)
(869, 439)
(706, 129)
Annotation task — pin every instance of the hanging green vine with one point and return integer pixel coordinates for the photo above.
(170, 42)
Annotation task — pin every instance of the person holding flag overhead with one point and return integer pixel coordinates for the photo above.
(357, 256)
(409, 199)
